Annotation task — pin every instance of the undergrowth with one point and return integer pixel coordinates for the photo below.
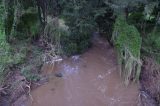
(32, 66)
(9, 57)
(151, 45)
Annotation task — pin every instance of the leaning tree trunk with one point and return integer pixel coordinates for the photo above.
(9, 12)
(17, 15)
(42, 11)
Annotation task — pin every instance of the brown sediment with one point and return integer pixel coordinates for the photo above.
(91, 79)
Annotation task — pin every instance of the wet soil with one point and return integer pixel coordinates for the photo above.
(91, 79)
(150, 83)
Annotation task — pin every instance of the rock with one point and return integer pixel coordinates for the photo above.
(75, 58)
(59, 75)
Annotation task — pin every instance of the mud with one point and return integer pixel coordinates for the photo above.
(91, 79)
(150, 83)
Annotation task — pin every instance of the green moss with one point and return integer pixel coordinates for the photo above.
(128, 44)
(128, 36)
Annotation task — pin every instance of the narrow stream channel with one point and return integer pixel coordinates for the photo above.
(91, 79)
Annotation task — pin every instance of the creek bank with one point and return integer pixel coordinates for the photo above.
(150, 83)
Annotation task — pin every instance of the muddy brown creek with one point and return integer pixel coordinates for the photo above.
(91, 79)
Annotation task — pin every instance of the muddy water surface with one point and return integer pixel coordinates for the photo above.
(91, 79)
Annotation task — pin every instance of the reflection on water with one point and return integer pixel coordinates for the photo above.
(69, 70)
(91, 79)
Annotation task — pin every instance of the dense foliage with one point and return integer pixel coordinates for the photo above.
(78, 16)
(81, 17)
(65, 27)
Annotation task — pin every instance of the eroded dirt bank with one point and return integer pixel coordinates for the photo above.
(91, 79)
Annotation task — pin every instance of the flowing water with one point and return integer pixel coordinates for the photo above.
(91, 79)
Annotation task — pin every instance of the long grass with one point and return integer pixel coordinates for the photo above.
(127, 41)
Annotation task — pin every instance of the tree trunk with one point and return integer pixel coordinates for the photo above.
(9, 12)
